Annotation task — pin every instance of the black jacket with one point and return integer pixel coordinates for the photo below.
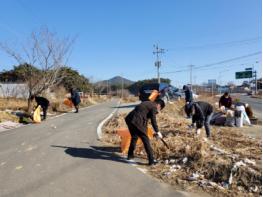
(43, 102)
(227, 102)
(140, 115)
(202, 110)
(188, 95)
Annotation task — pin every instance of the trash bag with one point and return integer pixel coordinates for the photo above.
(218, 119)
(153, 95)
(126, 138)
(36, 115)
(239, 116)
(230, 118)
(68, 102)
(246, 119)
(249, 112)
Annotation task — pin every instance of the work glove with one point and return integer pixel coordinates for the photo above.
(198, 131)
(158, 135)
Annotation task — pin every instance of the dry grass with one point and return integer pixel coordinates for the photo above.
(130, 99)
(212, 160)
(13, 104)
(5, 116)
(56, 104)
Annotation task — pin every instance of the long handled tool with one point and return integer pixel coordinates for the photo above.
(157, 137)
(164, 143)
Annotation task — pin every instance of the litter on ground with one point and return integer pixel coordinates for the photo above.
(227, 164)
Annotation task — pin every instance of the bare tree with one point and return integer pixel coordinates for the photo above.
(46, 52)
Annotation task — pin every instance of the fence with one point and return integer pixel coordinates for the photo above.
(13, 90)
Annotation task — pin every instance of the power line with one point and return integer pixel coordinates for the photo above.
(216, 63)
(214, 45)
(230, 60)
(227, 66)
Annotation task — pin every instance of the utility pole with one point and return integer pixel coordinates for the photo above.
(195, 84)
(212, 89)
(191, 77)
(254, 72)
(158, 62)
(256, 85)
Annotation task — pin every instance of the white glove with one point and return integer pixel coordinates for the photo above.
(198, 131)
(159, 135)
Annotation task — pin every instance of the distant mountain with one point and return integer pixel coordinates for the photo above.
(117, 81)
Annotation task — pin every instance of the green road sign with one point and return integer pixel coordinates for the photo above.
(243, 74)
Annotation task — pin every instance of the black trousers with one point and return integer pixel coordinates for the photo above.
(188, 109)
(207, 123)
(76, 105)
(135, 133)
(44, 108)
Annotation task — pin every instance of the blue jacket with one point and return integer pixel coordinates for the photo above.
(75, 97)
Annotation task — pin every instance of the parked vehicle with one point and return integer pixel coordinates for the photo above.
(147, 89)
(179, 93)
(164, 89)
(175, 93)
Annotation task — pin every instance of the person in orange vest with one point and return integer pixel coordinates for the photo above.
(137, 120)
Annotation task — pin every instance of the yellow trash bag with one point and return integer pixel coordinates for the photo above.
(36, 115)
(126, 138)
(68, 102)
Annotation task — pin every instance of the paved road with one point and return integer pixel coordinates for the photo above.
(62, 157)
(255, 103)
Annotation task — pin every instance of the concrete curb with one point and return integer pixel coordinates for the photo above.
(99, 128)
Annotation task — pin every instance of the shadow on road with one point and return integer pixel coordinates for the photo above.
(111, 149)
(95, 152)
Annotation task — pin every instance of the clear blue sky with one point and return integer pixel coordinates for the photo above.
(116, 37)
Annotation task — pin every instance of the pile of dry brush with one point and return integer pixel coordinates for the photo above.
(228, 164)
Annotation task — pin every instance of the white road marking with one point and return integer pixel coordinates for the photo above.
(143, 170)
(19, 167)
(30, 148)
(99, 131)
